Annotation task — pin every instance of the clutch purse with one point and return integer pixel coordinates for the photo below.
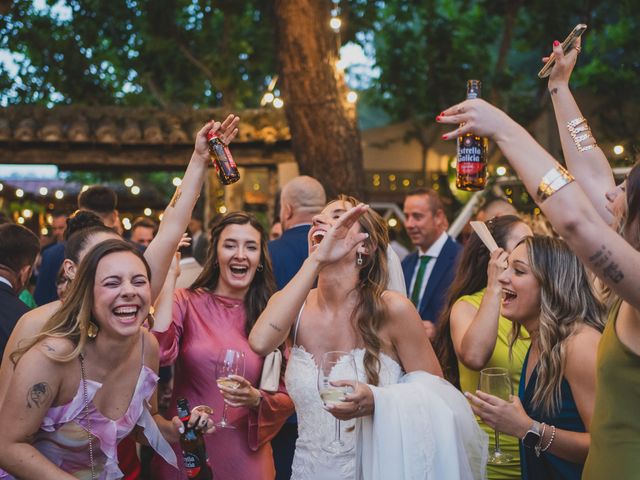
(270, 379)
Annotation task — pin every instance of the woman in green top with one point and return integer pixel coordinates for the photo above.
(472, 334)
(581, 212)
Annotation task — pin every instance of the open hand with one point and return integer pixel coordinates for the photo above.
(342, 237)
(561, 71)
(227, 131)
(475, 116)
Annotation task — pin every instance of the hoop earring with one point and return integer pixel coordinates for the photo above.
(92, 330)
(359, 260)
(260, 267)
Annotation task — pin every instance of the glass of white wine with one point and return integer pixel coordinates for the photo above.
(496, 381)
(230, 362)
(336, 366)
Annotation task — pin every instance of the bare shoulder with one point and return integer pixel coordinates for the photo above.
(31, 323)
(151, 350)
(401, 313)
(582, 349)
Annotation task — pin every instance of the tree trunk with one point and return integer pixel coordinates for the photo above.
(324, 129)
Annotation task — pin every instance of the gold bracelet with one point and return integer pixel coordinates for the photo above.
(556, 178)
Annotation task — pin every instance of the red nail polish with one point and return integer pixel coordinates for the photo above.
(556, 43)
(444, 137)
(438, 118)
(441, 114)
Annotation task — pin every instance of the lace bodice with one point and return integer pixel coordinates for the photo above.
(316, 425)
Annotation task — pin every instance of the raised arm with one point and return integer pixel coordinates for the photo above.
(590, 167)
(568, 209)
(274, 324)
(178, 213)
(474, 331)
(34, 387)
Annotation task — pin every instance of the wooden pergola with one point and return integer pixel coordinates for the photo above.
(137, 139)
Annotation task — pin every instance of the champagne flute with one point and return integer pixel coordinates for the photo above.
(496, 381)
(335, 366)
(230, 362)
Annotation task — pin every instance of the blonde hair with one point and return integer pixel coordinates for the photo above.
(567, 301)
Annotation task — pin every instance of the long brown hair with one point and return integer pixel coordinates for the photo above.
(471, 277)
(263, 284)
(72, 319)
(567, 300)
(373, 277)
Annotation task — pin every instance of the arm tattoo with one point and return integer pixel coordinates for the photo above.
(610, 269)
(38, 395)
(48, 347)
(553, 91)
(275, 327)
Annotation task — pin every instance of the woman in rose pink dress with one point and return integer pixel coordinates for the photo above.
(214, 314)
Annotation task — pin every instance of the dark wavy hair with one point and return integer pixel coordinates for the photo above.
(471, 277)
(263, 284)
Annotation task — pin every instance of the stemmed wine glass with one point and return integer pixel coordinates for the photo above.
(497, 382)
(230, 362)
(336, 366)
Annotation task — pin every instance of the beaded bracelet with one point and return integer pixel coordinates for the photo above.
(553, 435)
(556, 178)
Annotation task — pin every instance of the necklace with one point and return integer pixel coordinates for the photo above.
(87, 418)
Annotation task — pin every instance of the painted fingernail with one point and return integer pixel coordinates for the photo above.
(556, 43)
(441, 114)
(438, 118)
(181, 429)
(444, 137)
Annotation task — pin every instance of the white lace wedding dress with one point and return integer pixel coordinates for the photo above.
(316, 425)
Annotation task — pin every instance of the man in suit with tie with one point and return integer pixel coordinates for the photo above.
(429, 271)
(18, 249)
(300, 199)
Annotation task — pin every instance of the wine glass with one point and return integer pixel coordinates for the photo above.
(335, 366)
(230, 362)
(497, 382)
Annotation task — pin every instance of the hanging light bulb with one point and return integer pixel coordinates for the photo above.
(335, 23)
(352, 97)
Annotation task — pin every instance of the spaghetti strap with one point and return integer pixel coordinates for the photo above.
(295, 329)
(142, 340)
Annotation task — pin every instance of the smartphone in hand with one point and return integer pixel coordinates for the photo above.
(567, 45)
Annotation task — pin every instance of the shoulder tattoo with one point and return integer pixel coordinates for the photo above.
(38, 395)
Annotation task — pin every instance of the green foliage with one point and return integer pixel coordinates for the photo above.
(133, 52)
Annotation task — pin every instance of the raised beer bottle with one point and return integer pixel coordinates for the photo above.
(194, 451)
(221, 157)
(471, 166)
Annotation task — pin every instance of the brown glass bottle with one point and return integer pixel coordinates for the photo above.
(194, 451)
(471, 165)
(221, 157)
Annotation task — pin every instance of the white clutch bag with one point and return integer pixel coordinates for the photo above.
(270, 379)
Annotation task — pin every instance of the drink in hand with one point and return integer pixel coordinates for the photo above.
(227, 382)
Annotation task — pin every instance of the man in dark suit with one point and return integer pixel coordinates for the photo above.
(429, 271)
(18, 250)
(300, 199)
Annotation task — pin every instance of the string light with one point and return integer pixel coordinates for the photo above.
(278, 103)
(222, 209)
(21, 220)
(500, 171)
(84, 188)
(147, 211)
(392, 222)
(335, 23)
(618, 149)
(1, 187)
(59, 194)
(135, 190)
(44, 231)
(177, 181)
(126, 223)
(43, 191)
(352, 97)
(26, 213)
(19, 193)
(128, 182)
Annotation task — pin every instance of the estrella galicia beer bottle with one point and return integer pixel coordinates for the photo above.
(471, 166)
(223, 161)
(194, 451)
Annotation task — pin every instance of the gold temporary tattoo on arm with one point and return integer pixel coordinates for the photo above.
(176, 197)
(38, 395)
(275, 327)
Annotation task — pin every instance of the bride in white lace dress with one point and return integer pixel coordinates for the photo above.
(407, 422)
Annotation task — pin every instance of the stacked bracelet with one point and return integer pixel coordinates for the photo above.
(553, 435)
(580, 131)
(556, 178)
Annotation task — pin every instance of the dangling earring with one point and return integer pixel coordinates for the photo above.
(359, 260)
(92, 330)
(260, 267)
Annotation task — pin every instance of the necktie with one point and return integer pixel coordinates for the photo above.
(417, 285)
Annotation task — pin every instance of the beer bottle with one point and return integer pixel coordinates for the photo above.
(194, 451)
(221, 157)
(471, 166)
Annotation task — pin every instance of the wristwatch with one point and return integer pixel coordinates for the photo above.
(532, 437)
